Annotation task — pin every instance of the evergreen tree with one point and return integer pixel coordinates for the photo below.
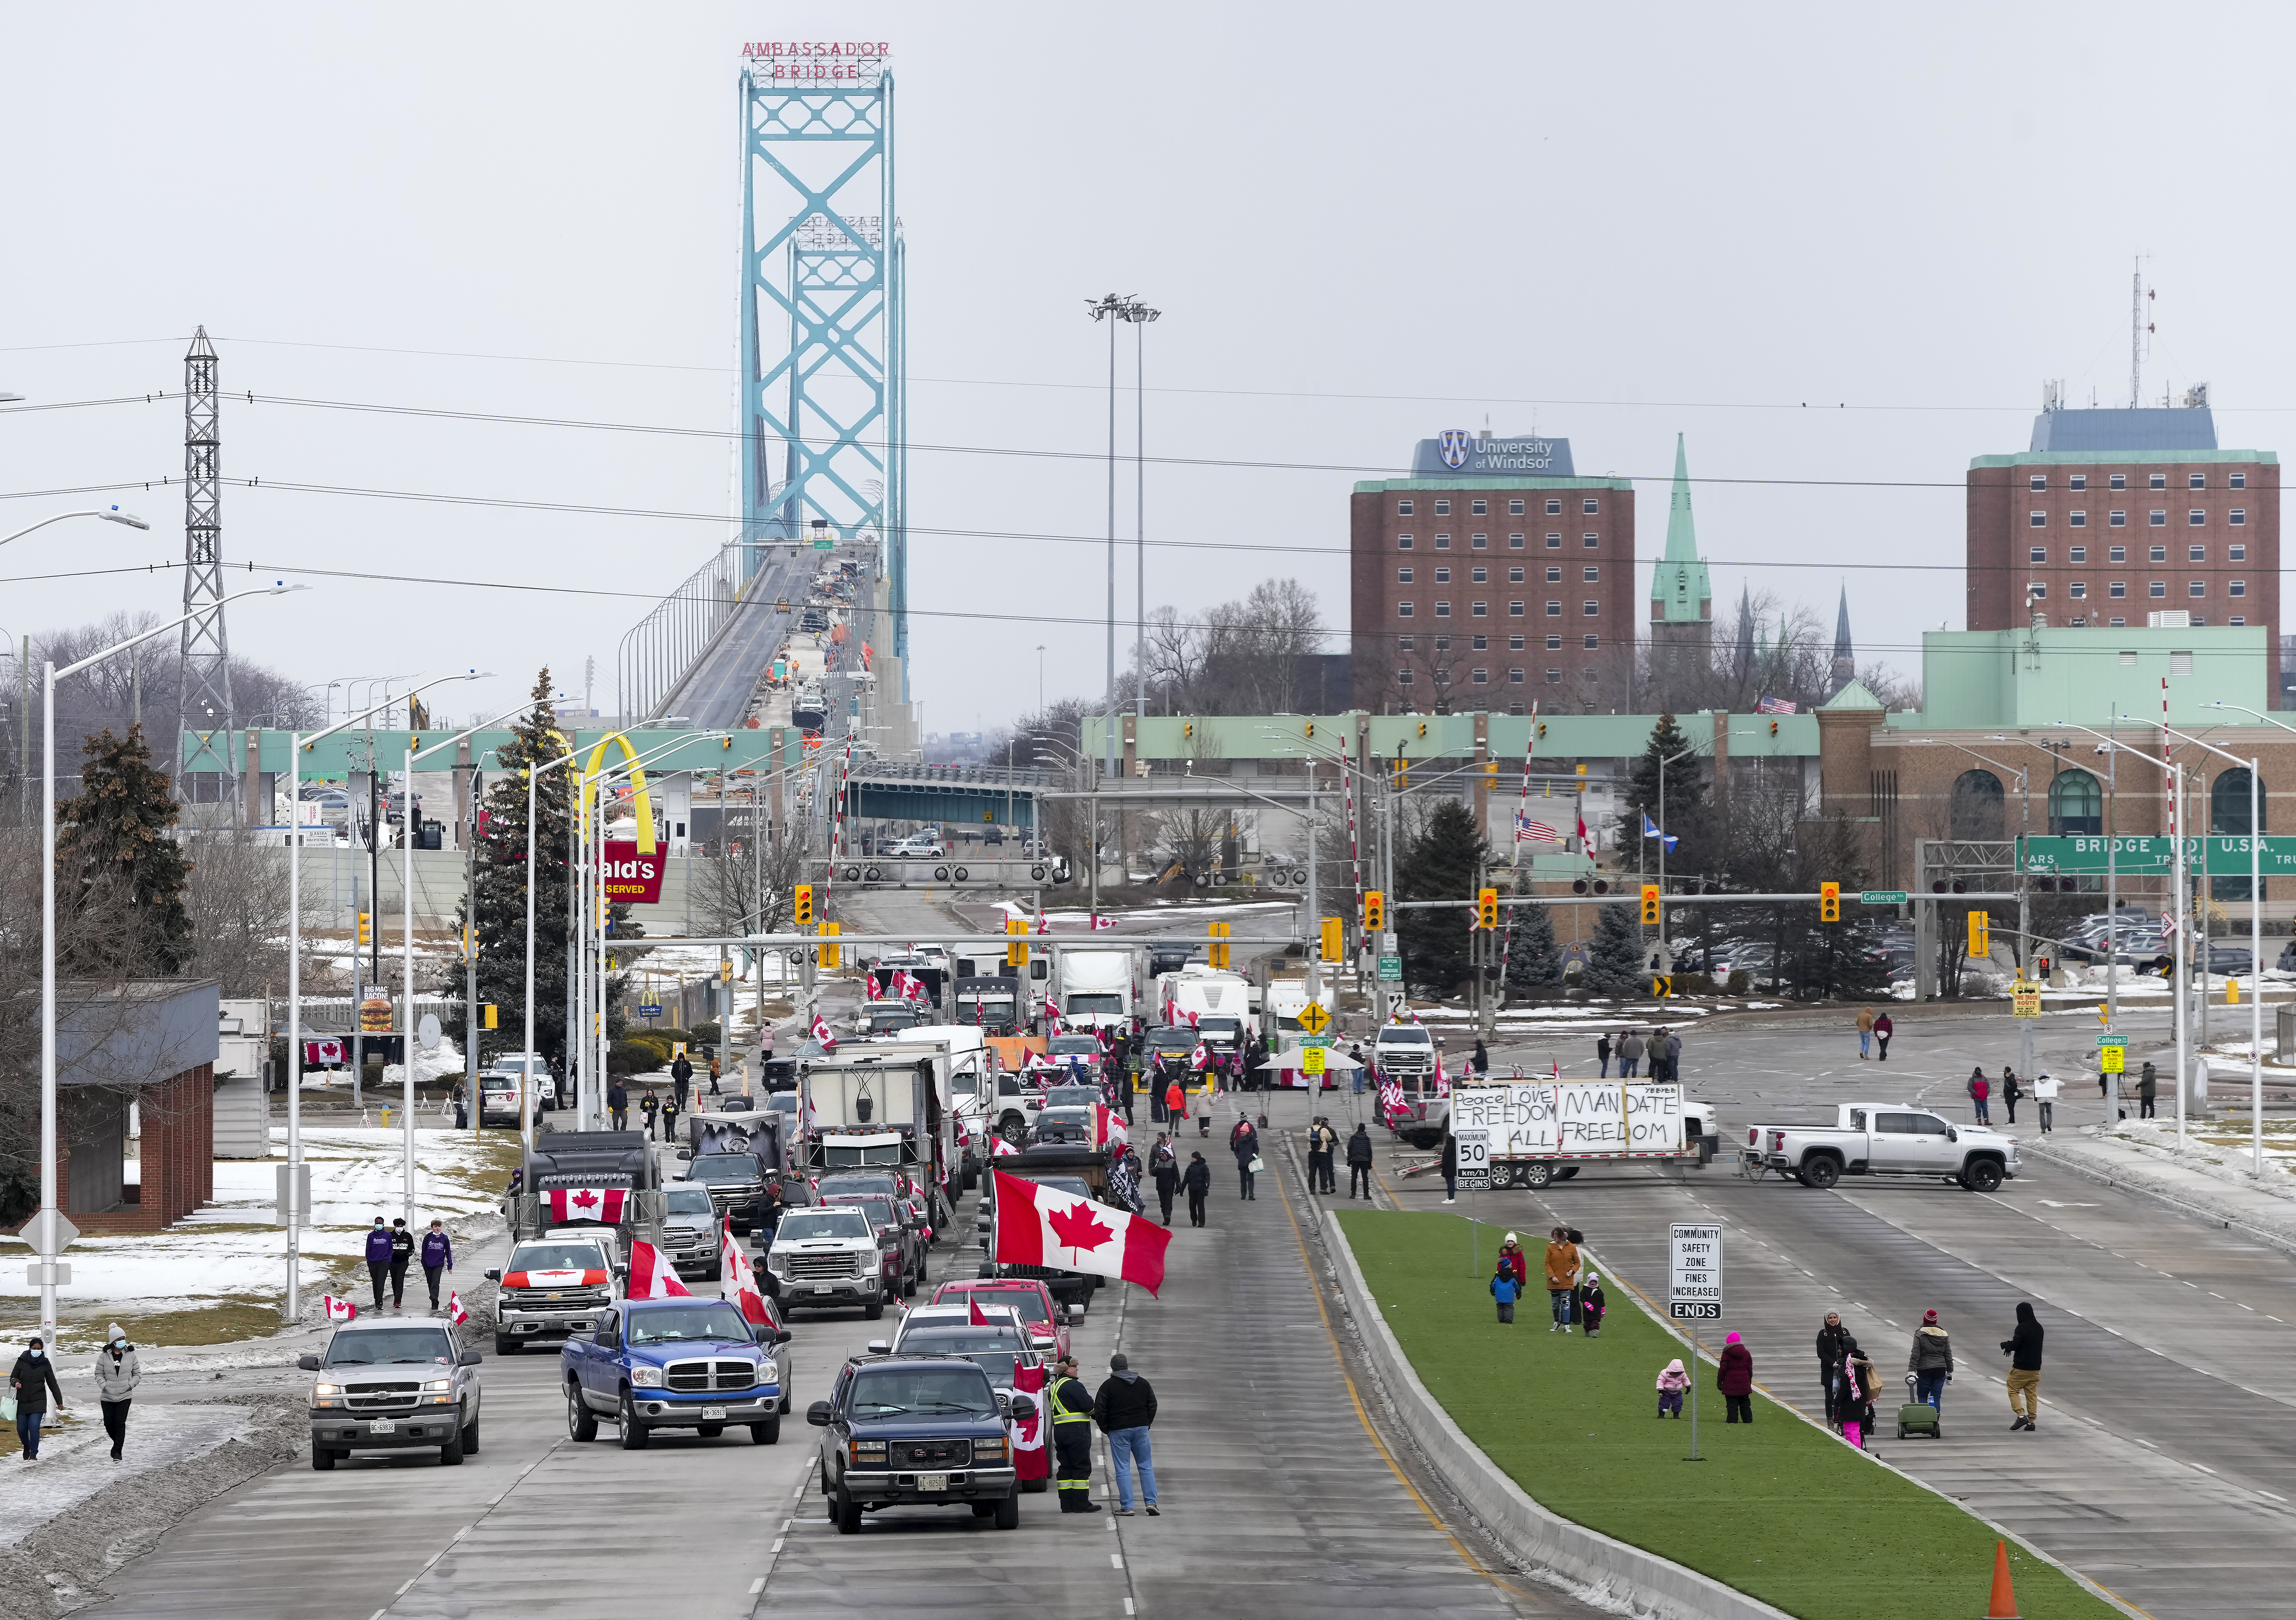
(500, 894)
(114, 858)
(1685, 798)
(1533, 962)
(1445, 862)
(1614, 964)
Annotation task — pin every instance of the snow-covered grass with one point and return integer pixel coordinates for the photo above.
(220, 1274)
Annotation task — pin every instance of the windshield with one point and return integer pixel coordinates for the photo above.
(802, 1224)
(782, 1102)
(1082, 1003)
(939, 1390)
(991, 1353)
(1220, 1026)
(880, 1211)
(964, 1083)
(860, 1186)
(1080, 1118)
(1404, 1034)
(1027, 1302)
(838, 1157)
(1070, 1096)
(901, 1020)
(390, 1346)
(1063, 1046)
(688, 1200)
(711, 1320)
(723, 1168)
(1172, 1040)
(558, 1257)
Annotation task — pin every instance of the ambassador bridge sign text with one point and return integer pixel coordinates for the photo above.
(2140, 857)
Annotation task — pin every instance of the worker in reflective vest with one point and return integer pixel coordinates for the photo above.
(1073, 1437)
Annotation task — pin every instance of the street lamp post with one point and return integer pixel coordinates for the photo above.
(44, 1232)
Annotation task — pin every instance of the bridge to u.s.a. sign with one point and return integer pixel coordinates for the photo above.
(2217, 856)
(1574, 1118)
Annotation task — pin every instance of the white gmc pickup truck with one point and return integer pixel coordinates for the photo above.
(1880, 1139)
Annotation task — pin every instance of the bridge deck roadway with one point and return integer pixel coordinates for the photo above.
(2165, 1464)
(715, 692)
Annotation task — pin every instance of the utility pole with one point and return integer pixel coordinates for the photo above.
(204, 686)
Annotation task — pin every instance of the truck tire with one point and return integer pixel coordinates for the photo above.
(767, 1432)
(1820, 1173)
(321, 1459)
(450, 1455)
(471, 1438)
(634, 1435)
(984, 1510)
(874, 1309)
(581, 1422)
(1036, 1487)
(1564, 1173)
(1536, 1175)
(848, 1513)
(1008, 1511)
(1983, 1175)
(504, 1345)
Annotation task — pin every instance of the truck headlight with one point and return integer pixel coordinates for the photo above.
(989, 1450)
(436, 1385)
(767, 1373)
(646, 1378)
(326, 1389)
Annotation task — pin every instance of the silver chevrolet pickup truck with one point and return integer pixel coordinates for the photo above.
(1877, 1139)
(393, 1384)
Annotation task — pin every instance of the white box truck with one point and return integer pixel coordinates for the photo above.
(1096, 989)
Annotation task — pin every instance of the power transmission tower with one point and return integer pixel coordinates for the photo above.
(204, 681)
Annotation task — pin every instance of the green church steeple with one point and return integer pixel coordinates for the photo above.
(1681, 594)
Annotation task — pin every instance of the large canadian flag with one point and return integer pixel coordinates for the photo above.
(1038, 1225)
(587, 1203)
(1029, 1460)
(651, 1275)
(1107, 1126)
(738, 1282)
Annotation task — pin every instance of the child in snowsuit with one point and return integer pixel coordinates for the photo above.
(1592, 1305)
(1857, 1389)
(1504, 1289)
(1671, 1383)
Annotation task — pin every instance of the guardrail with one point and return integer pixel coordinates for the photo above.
(662, 646)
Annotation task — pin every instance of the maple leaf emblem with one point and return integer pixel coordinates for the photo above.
(1077, 1229)
(584, 1199)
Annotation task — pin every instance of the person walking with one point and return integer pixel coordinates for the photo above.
(1980, 1088)
(2148, 1086)
(1243, 1141)
(1603, 1054)
(715, 1069)
(1865, 1034)
(1734, 1376)
(1450, 1168)
(1860, 1383)
(377, 1258)
(1883, 1030)
(1071, 1404)
(1674, 1057)
(1591, 1304)
(651, 1107)
(402, 1255)
(1672, 1381)
(2024, 1349)
(1562, 1260)
(1359, 1160)
(1197, 1179)
(116, 1374)
(1931, 1363)
(1511, 1258)
(462, 1102)
(438, 1257)
(1164, 1166)
(2045, 1098)
(31, 1382)
(681, 1077)
(1506, 1289)
(2011, 1090)
(1356, 1078)
(1124, 1408)
(671, 1107)
(617, 1104)
(1203, 1104)
(1479, 1065)
(1833, 1347)
(1323, 1144)
(1630, 1052)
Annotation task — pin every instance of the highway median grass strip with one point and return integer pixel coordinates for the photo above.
(1779, 1509)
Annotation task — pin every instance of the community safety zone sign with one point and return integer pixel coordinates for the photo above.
(1572, 1119)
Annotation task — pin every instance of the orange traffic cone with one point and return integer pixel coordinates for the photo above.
(2003, 1605)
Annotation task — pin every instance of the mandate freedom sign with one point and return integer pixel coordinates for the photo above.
(1554, 1118)
(1693, 1291)
(2140, 857)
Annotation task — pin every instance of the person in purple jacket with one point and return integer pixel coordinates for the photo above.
(377, 1258)
(438, 1256)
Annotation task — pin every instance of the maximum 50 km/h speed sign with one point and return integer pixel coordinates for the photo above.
(1695, 1280)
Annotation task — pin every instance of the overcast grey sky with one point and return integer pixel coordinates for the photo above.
(1364, 225)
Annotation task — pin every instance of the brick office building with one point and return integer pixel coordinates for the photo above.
(1491, 579)
(2114, 516)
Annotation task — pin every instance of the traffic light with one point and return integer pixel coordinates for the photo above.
(490, 1010)
(1487, 908)
(1218, 952)
(1333, 946)
(830, 956)
(1650, 903)
(1491, 773)
(1542, 733)
(1016, 955)
(1773, 728)
(1187, 728)
(1981, 934)
(1829, 903)
(1311, 728)
(1402, 775)
(1375, 911)
(804, 906)
(726, 970)
(1422, 728)
(365, 929)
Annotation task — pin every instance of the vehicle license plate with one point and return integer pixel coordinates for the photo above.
(713, 1414)
(382, 1426)
(822, 1288)
(932, 1482)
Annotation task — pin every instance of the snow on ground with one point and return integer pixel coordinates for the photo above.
(76, 1461)
(229, 1251)
(2221, 1147)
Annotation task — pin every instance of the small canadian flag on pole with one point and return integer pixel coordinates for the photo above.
(457, 1312)
(821, 1032)
(340, 1310)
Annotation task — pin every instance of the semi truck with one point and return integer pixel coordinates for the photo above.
(1214, 1003)
(1096, 989)
(596, 1178)
(1529, 1133)
(885, 1106)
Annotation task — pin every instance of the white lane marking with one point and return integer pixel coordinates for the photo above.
(2205, 1469)
(1116, 1560)
(787, 1523)
(777, 1549)
(1128, 1606)
(757, 1586)
(2275, 1498)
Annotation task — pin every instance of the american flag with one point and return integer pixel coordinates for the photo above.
(1527, 832)
(1773, 706)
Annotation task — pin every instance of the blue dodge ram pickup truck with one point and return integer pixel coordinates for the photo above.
(675, 1363)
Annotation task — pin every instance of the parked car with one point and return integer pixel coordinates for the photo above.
(917, 847)
(1065, 1126)
(827, 1259)
(392, 1383)
(692, 1232)
(1047, 1323)
(675, 1363)
(917, 1431)
(901, 1238)
(554, 1286)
